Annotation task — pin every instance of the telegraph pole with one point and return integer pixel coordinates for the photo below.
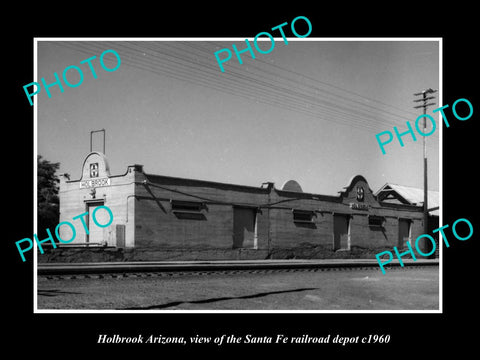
(425, 98)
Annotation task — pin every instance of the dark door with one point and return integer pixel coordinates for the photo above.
(120, 234)
(403, 233)
(244, 232)
(341, 232)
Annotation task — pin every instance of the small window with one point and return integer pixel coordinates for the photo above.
(188, 210)
(186, 206)
(303, 216)
(376, 221)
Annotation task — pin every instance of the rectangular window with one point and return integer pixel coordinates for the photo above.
(376, 221)
(303, 216)
(187, 206)
(191, 210)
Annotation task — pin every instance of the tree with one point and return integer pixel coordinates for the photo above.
(47, 196)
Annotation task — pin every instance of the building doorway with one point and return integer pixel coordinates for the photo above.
(341, 232)
(95, 233)
(404, 233)
(244, 228)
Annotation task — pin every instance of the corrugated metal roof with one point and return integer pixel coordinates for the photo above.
(415, 195)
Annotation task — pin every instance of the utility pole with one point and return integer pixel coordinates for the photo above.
(425, 98)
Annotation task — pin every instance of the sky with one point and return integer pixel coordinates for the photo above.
(309, 110)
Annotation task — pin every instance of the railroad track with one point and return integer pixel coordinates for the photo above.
(95, 272)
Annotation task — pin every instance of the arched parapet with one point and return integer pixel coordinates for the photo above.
(358, 190)
(95, 166)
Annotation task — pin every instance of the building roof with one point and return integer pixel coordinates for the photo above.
(408, 195)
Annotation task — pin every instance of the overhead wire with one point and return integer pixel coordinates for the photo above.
(369, 116)
(294, 94)
(246, 94)
(303, 95)
(336, 95)
(190, 44)
(239, 84)
(282, 88)
(267, 89)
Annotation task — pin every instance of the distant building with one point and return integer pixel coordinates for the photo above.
(158, 217)
(401, 194)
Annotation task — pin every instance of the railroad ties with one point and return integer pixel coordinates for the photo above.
(52, 272)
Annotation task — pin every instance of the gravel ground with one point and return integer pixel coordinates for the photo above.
(399, 289)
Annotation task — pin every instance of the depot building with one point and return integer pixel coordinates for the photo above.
(159, 217)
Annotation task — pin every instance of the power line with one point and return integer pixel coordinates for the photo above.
(292, 95)
(335, 87)
(175, 73)
(246, 86)
(303, 95)
(336, 96)
(315, 88)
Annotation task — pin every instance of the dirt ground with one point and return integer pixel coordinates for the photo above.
(399, 289)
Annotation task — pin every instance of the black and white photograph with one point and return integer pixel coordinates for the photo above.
(213, 180)
(259, 187)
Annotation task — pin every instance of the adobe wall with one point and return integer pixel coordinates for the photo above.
(157, 226)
